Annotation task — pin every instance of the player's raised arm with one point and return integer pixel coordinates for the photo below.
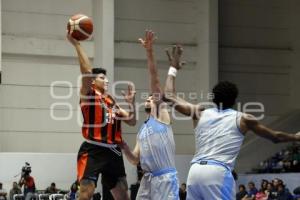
(147, 43)
(181, 105)
(85, 66)
(160, 111)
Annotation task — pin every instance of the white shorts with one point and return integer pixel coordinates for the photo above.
(210, 180)
(159, 187)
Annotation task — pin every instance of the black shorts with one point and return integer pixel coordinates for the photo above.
(93, 160)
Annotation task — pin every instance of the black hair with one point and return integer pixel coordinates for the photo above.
(235, 175)
(96, 71)
(242, 186)
(251, 183)
(225, 94)
(75, 184)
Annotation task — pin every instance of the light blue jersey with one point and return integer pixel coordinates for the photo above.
(157, 146)
(218, 136)
(157, 157)
(218, 142)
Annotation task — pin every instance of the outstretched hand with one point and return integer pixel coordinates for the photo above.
(149, 39)
(130, 96)
(175, 58)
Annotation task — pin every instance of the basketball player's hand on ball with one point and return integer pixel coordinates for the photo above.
(129, 97)
(72, 40)
(148, 41)
(175, 57)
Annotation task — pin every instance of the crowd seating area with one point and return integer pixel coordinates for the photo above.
(287, 160)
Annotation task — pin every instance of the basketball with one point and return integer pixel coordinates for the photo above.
(80, 27)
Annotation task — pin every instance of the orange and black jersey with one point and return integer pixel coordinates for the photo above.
(99, 119)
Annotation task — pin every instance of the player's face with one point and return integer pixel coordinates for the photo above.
(149, 104)
(250, 186)
(269, 186)
(101, 82)
(183, 187)
(275, 182)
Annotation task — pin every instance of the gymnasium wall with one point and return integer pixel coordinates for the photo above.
(40, 70)
(258, 51)
(255, 51)
(35, 55)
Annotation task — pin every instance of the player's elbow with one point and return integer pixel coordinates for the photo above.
(279, 137)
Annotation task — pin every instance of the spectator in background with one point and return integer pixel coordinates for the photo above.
(182, 191)
(279, 192)
(297, 190)
(273, 195)
(283, 193)
(287, 165)
(264, 185)
(269, 188)
(73, 194)
(29, 186)
(297, 193)
(261, 195)
(274, 192)
(276, 182)
(51, 189)
(3, 192)
(242, 192)
(14, 190)
(251, 192)
(282, 183)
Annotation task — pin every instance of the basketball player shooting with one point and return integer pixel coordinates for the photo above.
(101, 130)
(155, 146)
(219, 134)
